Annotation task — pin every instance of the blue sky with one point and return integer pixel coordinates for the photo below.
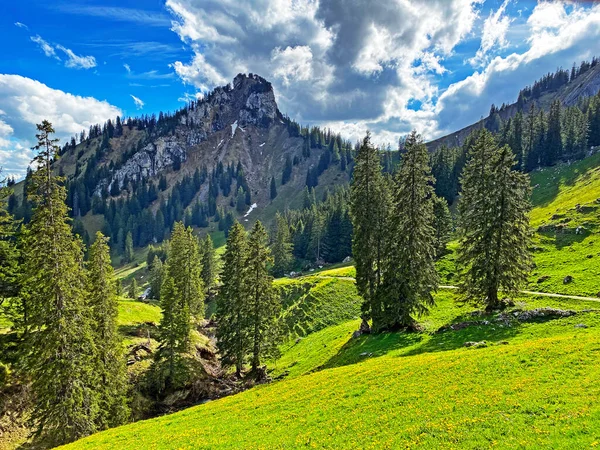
(390, 66)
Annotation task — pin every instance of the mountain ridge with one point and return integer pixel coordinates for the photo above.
(584, 85)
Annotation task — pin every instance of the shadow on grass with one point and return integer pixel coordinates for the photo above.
(140, 330)
(566, 176)
(493, 333)
(562, 240)
(375, 345)
(371, 346)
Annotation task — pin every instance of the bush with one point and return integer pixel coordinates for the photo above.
(4, 375)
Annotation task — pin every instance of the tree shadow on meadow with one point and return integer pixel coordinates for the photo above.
(491, 334)
(375, 345)
(371, 346)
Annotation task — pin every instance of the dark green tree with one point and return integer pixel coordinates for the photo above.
(493, 227)
(287, 171)
(61, 361)
(442, 224)
(263, 306)
(110, 360)
(554, 145)
(9, 255)
(182, 297)
(282, 247)
(184, 266)
(129, 247)
(232, 301)
(133, 289)
(156, 277)
(369, 207)
(209, 263)
(273, 188)
(409, 274)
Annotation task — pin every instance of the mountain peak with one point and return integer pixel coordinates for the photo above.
(249, 100)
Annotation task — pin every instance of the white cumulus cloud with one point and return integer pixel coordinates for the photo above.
(557, 32)
(494, 32)
(343, 63)
(292, 63)
(26, 102)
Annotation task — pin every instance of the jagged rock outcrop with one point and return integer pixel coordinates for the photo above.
(248, 102)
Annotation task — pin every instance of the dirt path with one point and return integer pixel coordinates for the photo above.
(543, 294)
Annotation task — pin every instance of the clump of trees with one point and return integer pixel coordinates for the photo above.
(401, 226)
(247, 307)
(394, 240)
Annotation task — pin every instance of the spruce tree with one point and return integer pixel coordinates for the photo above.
(209, 263)
(129, 248)
(110, 360)
(61, 361)
(554, 144)
(409, 274)
(273, 188)
(442, 224)
(232, 335)
(369, 206)
(118, 287)
(184, 266)
(156, 277)
(181, 298)
(170, 370)
(493, 228)
(263, 306)
(9, 267)
(287, 171)
(282, 247)
(133, 289)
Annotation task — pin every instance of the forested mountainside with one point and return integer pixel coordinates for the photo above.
(230, 155)
(569, 87)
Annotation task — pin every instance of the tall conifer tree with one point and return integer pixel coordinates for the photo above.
(61, 362)
(232, 333)
(156, 277)
(110, 361)
(263, 305)
(181, 297)
(494, 230)
(185, 267)
(209, 263)
(282, 247)
(409, 274)
(369, 206)
(442, 224)
(554, 144)
(9, 267)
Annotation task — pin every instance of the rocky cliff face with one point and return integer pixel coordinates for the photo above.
(248, 102)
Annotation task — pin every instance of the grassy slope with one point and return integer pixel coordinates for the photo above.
(313, 303)
(534, 386)
(559, 251)
(562, 252)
